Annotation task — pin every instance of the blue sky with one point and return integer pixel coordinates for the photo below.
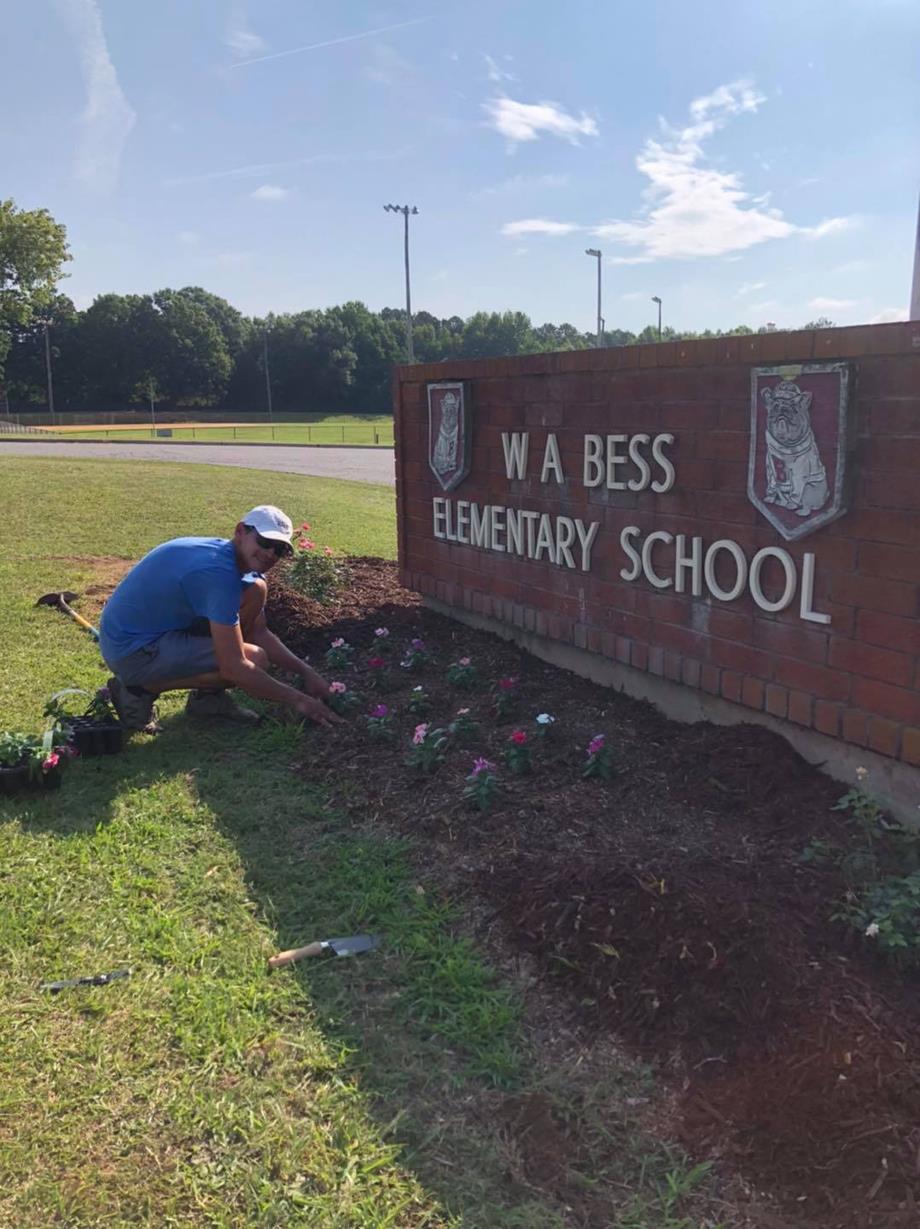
(746, 162)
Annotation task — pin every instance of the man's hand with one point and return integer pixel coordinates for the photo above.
(315, 710)
(314, 684)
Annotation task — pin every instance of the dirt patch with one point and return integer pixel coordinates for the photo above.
(105, 571)
(667, 906)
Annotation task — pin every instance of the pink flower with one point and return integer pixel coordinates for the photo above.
(305, 526)
(327, 550)
(462, 712)
(306, 544)
(51, 762)
(337, 688)
(596, 744)
(376, 663)
(382, 632)
(419, 736)
(465, 661)
(338, 644)
(481, 765)
(302, 543)
(71, 752)
(519, 737)
(507, 684)
(380, 711)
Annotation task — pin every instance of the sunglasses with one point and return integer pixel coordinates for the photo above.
(280, 549)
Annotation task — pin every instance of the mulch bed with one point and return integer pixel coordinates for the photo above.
(668, 905)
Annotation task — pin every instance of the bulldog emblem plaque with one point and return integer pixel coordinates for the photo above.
(798, 452)
(449, 442)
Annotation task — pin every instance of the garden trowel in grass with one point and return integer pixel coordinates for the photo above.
(338, 947)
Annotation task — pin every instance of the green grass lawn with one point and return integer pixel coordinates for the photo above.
(203, 1091)
(331, 430)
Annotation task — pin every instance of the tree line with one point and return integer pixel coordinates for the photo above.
(191, 348)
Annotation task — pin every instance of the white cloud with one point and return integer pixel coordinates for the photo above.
(242, 41)
(522, 121)
(518, 183)
(188, 237)
(748, 288)
(831, 305)
(889, 315)
(851, 266)
(832, 226)
(269, 192)
(693, 209)
(496, 73)
(107, 119)
(630, 260)
(633, 296)
(537, 226)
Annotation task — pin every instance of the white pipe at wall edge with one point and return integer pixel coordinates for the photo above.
(915, 292)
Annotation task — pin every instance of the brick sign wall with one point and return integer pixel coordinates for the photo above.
(740, 516)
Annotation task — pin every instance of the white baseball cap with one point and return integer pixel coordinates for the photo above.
(270, 522)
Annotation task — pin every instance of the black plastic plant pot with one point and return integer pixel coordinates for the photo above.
(96, 737)
(13, 780)
(53, 779)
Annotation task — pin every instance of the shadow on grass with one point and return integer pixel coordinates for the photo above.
(432, 1035)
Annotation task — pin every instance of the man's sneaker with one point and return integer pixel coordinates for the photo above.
(219, 704)
(135, 712)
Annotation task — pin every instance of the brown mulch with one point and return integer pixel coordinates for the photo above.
(668, 906)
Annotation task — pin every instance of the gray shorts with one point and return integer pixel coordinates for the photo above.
(175, 655)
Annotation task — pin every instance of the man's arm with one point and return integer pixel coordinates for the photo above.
(234, 666)
(280, 655)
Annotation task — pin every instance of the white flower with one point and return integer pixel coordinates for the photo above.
(872, 930)
(862, 773)
(545, 719)
(419, 688)
(382, 631)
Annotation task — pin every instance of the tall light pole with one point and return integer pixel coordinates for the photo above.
(600, 322)
(405, 210)
(655, 299)
(268, 378)
(914, 313)
(47, 324)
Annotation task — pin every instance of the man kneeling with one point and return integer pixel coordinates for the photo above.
(191, 616)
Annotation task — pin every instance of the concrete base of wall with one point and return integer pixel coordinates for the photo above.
(894, 784)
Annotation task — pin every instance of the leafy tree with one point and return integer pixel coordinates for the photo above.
(33, 249)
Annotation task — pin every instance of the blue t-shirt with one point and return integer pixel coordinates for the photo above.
(172, 586)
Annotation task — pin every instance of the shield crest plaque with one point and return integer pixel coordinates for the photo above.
(449, 440)
(797, 465)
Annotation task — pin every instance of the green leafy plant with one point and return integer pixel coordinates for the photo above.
(313, 571)
(341, 700)
(64, 706)
(380, 724)
(379, 677)
(599, 762)
(419, 702)
(504, 698)
(517, 753)
(416, 656)
(42, 754)
(339, 654)
(429, 747)
(462, 674)
(463, 728)
(482, 785)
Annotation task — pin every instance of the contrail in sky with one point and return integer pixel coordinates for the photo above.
(333, 42)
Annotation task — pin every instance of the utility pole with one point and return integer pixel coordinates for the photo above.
(405, 210)
(915, 293)
(655, 299)
(46, 324)
(268, 378)
(600, 320)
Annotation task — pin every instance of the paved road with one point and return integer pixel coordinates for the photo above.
(355, 464)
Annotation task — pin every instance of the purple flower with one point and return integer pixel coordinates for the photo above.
(465, 661)
(596, 744)
(418, 644)
(481, 765)
(337, 688)
(104, 695)
(380, 711)
(507, 684)
(338, 644)
(382, 632)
